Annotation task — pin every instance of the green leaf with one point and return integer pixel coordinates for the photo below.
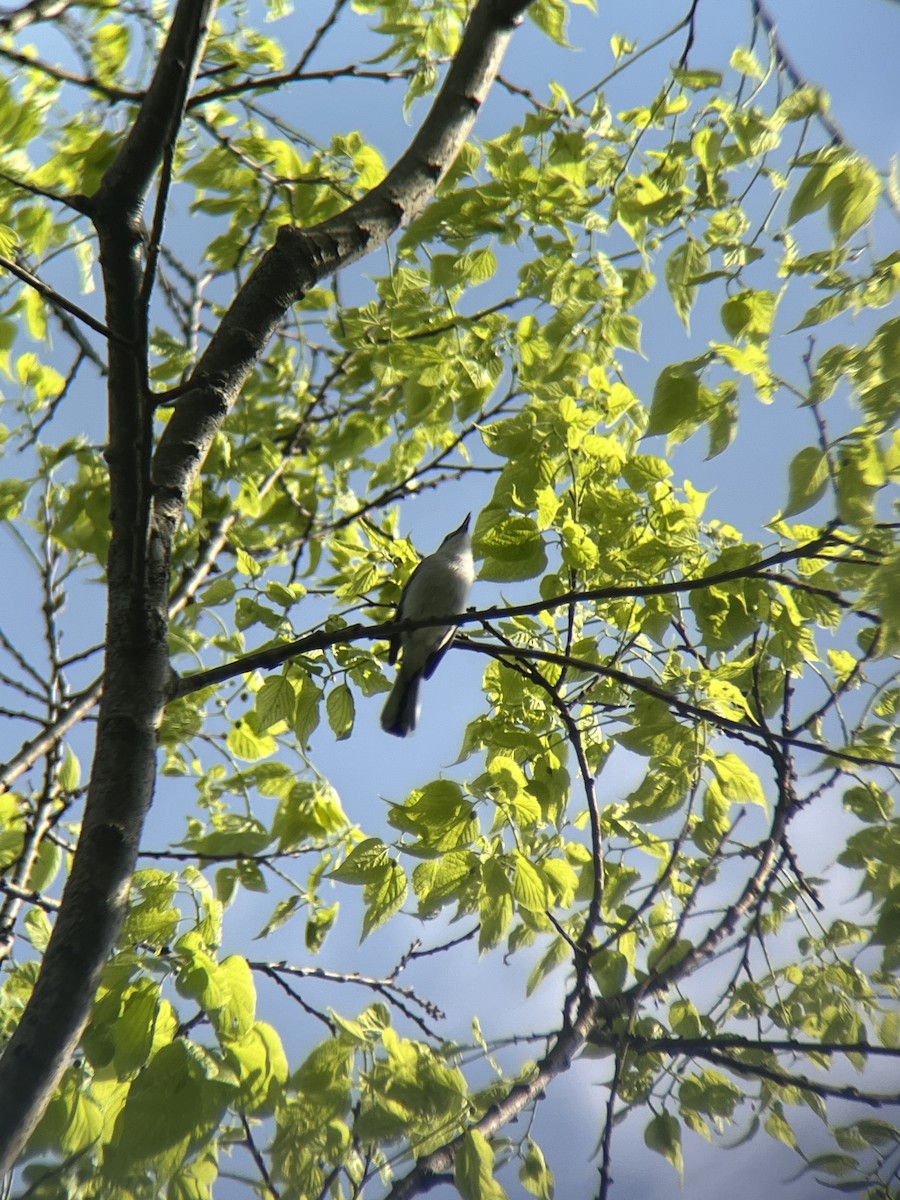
(579, 550)
(134, 1027)
(495, 906)
(245, 742)
(440, 882)
(234, 1017)
(682, 267)
(528, 888)
(479, 266)
(854, 195)
(887, 927)
(621, 46)
(776, 1126)
(473, 1170)
(860, 474)
(882, 592)
(261, 1066)
(319, 926)
(663, 1135)
(275, 702)
(825, 310)
(152, 916)
(749, 313)
(12, 497)
(195, 1180)
(439, 815)
(844, 182)
(550, 16)
(72, 1123)
(38, 929)
(306, 718)
(220, 591)
(744, 60)
(869, 802)
(35, 315)
(675, 401)
(69, 772)
(384, 896)
(804, 102)
(326, 1075)
(684, 1019)
(8, 240)
(175, 1103)
(341, 711)
(557, 954)
(232, 835)
(712, 1093)
(698, 80)
(512, 546)
(738, 781)
(383, 881)
(534, 1174)
(610, 970)
(281, 914)
(808, 480)
(364, 862)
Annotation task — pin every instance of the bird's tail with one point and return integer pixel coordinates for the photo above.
(402, 707)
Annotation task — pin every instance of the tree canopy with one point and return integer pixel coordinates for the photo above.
(666, 848)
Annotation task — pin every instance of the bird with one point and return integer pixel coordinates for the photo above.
(438, 587)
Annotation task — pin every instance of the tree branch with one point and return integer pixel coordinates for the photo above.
(54, 71)
(301, 257)
(717, 1051)
(128, 177)
(38, 746)
(557, 1060)
(17, 19)
(274, 656)
(55, 298)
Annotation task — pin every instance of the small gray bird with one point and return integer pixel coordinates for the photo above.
(438, 587)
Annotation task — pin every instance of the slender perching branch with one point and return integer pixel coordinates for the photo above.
(745, 730)
(34, 749)
(26, 896)
(297, 72)
(254, 1152)
(274, 656)
(606, 1139)
(54, 71)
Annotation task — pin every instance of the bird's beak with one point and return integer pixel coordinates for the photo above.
(464, 528)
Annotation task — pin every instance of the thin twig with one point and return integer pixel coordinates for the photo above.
(55, 298)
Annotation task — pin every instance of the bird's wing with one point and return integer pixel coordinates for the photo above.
(400, 615)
